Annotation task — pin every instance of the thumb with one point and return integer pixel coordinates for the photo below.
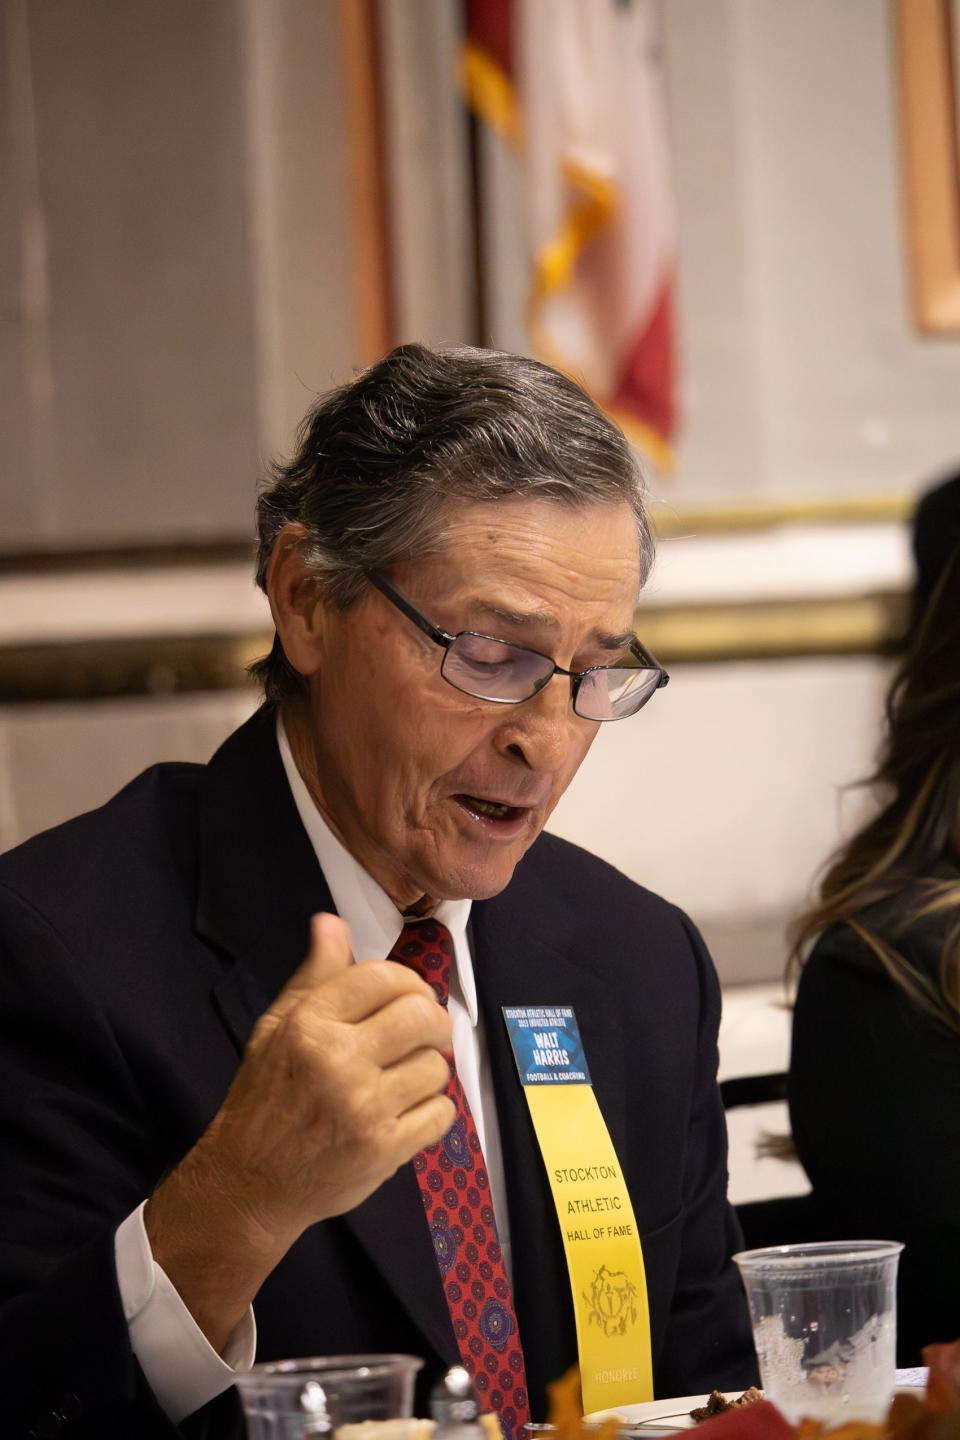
(330, 954)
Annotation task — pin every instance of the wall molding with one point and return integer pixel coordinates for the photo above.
(713, 633)
(719, 632)
(734, 516)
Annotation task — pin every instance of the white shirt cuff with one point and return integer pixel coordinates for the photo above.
(181, 1366)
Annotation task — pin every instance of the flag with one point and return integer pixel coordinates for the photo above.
(576, 87)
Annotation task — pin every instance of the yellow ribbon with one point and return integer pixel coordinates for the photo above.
(602, 1245)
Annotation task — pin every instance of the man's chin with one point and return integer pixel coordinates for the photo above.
(476, 881)
(459, 867)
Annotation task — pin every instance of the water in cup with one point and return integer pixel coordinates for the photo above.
(825, 1326)
(306, 1399)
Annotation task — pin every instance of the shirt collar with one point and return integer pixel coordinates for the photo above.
(375, 922)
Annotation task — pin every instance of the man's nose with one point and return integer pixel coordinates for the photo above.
(542, 732)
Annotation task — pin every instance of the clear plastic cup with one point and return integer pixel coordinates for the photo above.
(825, 1326)
(297, 1399)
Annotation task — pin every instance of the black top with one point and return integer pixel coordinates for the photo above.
(139, 944)
(875, 1109)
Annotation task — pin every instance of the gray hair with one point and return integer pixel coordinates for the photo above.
(379, 460)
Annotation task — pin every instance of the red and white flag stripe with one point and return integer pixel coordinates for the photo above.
(577, 87)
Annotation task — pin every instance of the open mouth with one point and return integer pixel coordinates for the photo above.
(489, 809)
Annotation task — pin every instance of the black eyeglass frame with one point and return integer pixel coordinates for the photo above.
(444, 639)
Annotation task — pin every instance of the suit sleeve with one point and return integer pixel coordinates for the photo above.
(75, 1162)
(709, 1343)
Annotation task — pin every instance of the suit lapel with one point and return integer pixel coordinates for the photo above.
(259, 878)
(259, 884)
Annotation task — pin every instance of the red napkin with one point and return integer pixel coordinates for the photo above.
(762, 1421)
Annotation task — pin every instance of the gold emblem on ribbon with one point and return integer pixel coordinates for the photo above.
(612, 1301)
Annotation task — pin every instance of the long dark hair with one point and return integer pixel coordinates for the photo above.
(906, 848)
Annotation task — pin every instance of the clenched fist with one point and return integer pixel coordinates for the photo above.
(343, 1081)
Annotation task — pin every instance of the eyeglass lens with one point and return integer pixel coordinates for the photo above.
(615, 693)
(491, 669)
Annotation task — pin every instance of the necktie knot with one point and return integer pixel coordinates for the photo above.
(426, 946)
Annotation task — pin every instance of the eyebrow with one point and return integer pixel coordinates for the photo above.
(546, 620)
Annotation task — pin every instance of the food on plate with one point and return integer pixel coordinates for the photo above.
(717, 1403)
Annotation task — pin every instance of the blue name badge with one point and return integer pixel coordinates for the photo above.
(546, 1044)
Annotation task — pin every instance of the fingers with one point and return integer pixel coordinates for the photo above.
(408, 1023)
(419, 1077)
(330, 955)
(330, 949)
(365, 989)
(340, 990)
(422, 1125)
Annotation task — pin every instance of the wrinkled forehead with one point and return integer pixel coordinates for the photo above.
(534, 556)
(548, 528)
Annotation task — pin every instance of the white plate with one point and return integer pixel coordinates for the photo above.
(668, 1417)
(660, 1417)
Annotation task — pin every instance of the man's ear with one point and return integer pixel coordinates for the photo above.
(295, 601)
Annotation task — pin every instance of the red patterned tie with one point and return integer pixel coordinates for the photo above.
(456, 1199)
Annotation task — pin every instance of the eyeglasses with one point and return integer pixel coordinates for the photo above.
(491, 669)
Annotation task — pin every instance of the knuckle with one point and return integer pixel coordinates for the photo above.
(314, 1044)
(446, 1114)
(262, 1031)
(361, 1117)
(335, 1058)
(406, 1022)
(386, 974)
(421, 1009)
(299, 1031)
(326, 994)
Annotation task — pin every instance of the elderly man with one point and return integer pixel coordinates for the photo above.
(217, 1147)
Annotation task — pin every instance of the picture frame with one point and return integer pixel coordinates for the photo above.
(927, 54)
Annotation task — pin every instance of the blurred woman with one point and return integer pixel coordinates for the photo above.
(875, 1069)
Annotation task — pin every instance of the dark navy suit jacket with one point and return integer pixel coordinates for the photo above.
(139, 944)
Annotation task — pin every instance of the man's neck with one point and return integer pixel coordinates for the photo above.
(421, 909)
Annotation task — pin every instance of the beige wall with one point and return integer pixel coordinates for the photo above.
(805, 371)
(174, 261)
(128, 120)
(727, 794)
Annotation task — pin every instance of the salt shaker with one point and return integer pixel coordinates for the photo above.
(454, 1408)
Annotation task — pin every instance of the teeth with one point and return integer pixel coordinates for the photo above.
(488, 807)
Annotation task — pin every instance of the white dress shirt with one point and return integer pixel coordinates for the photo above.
(181, 1367)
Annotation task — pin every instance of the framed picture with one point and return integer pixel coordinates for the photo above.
(928, 52)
